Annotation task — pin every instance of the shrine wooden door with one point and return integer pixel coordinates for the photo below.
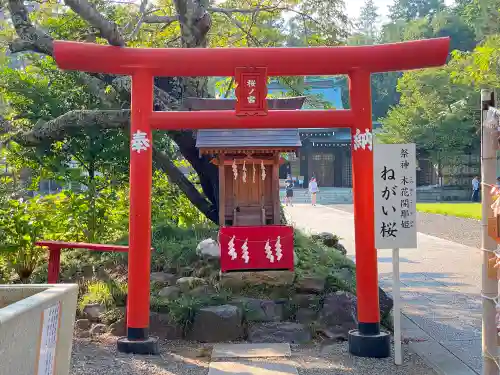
(321, 165)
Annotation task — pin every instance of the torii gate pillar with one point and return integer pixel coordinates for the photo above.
(367, 340)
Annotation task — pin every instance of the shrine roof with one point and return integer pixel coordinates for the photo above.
(255, 139)
(248, 138)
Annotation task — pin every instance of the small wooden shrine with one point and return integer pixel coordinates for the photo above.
(249, 200)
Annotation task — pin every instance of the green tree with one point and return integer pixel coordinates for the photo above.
(176, 23)
(434, 113)
(407, 10)
(478, 68)
(368, 19)
(481, 15)
(443, 24)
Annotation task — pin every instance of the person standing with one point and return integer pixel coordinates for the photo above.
(475, 189)
(289, 191)
(313, 189)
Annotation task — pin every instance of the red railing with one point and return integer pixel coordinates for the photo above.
(55, 248)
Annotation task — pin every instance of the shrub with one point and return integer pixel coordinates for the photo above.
(108, 293)
(22, 223)
(183, 309)
(176, 247)
(315, 258)
(170, 206)
(95, 217)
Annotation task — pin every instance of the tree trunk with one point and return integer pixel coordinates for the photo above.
(92, 218)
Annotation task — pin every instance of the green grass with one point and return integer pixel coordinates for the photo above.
(466, 210)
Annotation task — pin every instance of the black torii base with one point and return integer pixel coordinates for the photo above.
(148, 345)
(372, 346)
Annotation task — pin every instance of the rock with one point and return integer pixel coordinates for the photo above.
(311, 284)
(341, 248)
(186, 271)
(260, 310)
(189, 282)
(83, 334)
(163, 278)
(272, 278)
(305, 300)
(93, 311)
(169, 292)
(217, 323)
(235, 284)
(338, 314)
(98, 329)
(385, 302)
(208, 247)
(102, 274)
(118, 328)
(276, 332)
(305, 315)
(88, 271)
(327, 239)
(202, 290)
(83, 324)
(203, 271)
(163, 326)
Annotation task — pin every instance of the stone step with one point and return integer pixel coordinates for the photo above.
(242, 367)
(251, 350)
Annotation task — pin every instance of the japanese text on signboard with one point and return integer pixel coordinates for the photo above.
(251, 91)
(48, 341)
(395, 196)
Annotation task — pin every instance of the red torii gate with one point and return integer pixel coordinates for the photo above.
(356, 61)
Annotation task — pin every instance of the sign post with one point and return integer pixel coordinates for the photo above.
(395, 213)
(489, 286)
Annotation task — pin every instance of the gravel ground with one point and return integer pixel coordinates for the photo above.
(91, 357)
(464, 231)
(99, 357)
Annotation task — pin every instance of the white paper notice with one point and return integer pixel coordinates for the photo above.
(395, 197)
(50, 327)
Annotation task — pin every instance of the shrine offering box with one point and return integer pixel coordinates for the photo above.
(251, 248)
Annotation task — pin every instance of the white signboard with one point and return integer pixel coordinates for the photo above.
(48, 341)
(395, 192)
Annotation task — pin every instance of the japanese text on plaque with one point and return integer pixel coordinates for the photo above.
(395, 196)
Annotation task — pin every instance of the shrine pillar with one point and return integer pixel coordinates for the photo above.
(139, 255)
(367, 340)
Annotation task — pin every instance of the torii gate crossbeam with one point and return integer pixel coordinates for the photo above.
(356, 61)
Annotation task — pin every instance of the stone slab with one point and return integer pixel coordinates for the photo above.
(469, 352)
(440, 359)
(445, 329)
(251, 368)
(251, 350)
(441, 356)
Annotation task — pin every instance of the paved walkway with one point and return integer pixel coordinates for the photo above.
(440, 291)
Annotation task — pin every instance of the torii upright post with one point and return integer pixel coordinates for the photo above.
(139, 255)
(367, 340)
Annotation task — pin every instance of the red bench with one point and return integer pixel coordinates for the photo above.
(55, 248)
